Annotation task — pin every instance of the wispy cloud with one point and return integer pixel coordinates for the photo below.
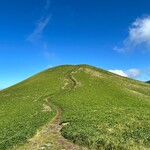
(48, 53)
(47, 4)
(138, 36)
(40, 26)
(37, 36)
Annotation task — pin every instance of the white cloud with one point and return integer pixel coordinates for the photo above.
(143, 75)
(139, 32)
(139, 35)
(37, 33)
(119, 72)
(131, 73)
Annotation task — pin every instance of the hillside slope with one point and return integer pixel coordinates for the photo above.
(100, 110)
(24, 107)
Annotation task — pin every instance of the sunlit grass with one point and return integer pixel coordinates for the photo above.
(102, 110)
(106, 111)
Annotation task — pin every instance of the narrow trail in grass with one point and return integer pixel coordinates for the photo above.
(49, 137)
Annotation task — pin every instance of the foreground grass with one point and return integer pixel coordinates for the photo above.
(100, 110)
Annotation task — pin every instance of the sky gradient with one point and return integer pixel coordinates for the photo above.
(38, 34)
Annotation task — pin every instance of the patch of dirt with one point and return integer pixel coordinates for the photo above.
(136, 92)
(77, 84)
(92, 72)
(46, 108)
(136, 86)
(66, 84)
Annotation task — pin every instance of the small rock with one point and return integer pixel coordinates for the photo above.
(48, 144)
(42, 148)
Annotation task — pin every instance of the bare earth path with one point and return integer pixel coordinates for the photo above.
(49, 137)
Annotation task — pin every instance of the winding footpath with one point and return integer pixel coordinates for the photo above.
(49, 137)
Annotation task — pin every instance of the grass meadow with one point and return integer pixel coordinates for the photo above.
(101, 110)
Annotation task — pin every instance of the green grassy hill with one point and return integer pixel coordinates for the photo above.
(102, 110)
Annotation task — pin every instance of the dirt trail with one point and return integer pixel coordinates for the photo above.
(49, 137)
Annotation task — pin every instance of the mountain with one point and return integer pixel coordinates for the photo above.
(148, 82)
(88, 106)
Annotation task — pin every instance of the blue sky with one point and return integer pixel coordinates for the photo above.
(37, 34)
